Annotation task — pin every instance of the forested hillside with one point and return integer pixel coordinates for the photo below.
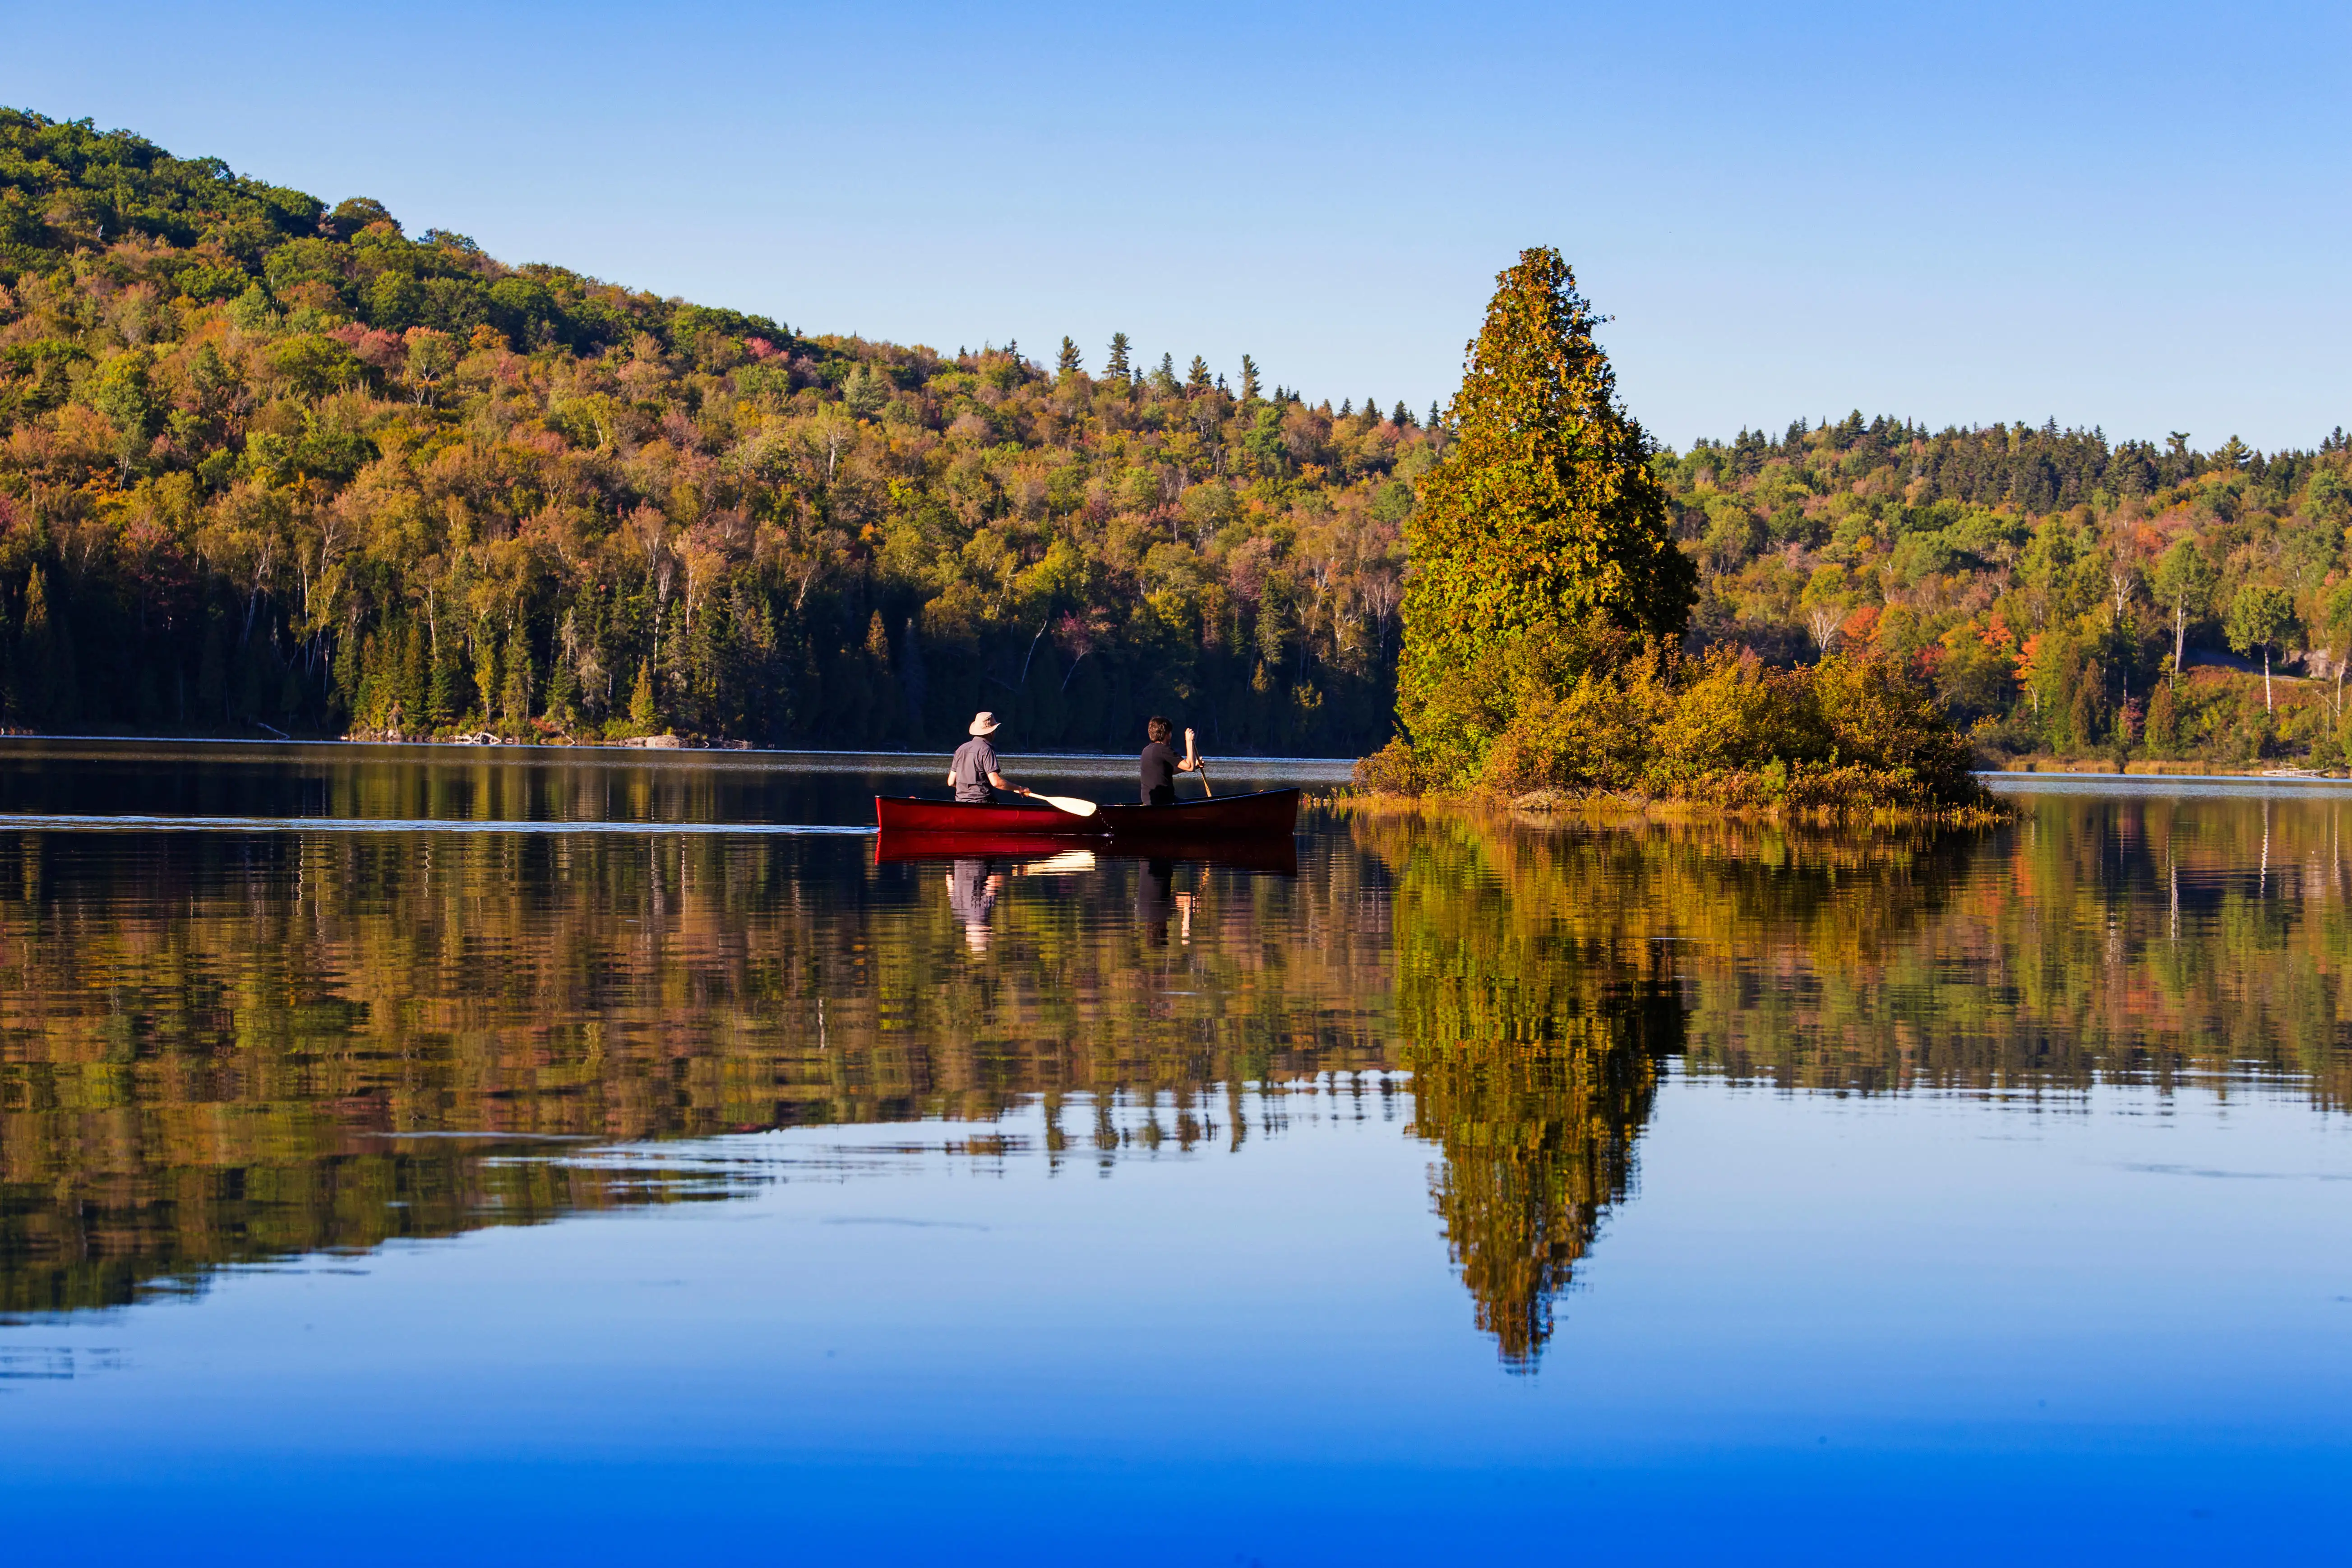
(2048, 578)
(266, 463)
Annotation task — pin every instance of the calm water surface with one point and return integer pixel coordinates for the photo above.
(493, 1156)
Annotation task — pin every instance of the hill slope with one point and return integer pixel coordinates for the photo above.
(269, 462)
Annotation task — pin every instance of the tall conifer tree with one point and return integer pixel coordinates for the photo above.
(1544, 507)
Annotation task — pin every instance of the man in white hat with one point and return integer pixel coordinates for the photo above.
(973, 771)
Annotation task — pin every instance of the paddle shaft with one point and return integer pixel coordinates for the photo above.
(1199, 767)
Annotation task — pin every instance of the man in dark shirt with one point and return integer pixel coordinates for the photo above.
(1161, 763)
(973, 772)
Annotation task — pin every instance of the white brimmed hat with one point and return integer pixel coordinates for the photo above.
(983, 723)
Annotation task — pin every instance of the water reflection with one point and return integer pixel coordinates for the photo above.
(220, 1048)
(216, 1044)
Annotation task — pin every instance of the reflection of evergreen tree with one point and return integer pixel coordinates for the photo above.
(1538, 1142)
(1535, 1023)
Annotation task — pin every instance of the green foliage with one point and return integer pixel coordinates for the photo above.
(1588, 708)
(2259, 617)
(1543, 510)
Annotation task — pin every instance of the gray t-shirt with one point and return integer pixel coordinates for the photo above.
(975, 759)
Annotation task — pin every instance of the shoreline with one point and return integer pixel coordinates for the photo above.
(1550, 808)
(2157, 768)
(1321, 771)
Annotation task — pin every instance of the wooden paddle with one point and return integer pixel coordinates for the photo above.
(1199, 767)
(1070, 803)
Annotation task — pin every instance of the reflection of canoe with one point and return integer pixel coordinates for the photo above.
(1266, 812)
(1260, 852)
(1276, 852)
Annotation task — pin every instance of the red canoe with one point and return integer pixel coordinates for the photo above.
(904, 813)
(1217, 817)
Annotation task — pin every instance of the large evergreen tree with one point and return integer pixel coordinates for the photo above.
(1544, 507)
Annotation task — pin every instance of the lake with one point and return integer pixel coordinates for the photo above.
(484, 1155)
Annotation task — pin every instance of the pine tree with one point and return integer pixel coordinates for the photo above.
(1346, 408)
(642, 716)
(514, 701)
(1401, 415)
(343, 701)
(1164, 378)
(1116, 367)
(883, 720)
(36, 651)
(416, 678)
(441, 698)
(1196, 380)
(1249, 378)
(865, 392)
(1544, 507)
(562, 693)
(486, 675)
(1066, 362)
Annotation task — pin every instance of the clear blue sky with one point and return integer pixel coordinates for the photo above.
(2134, 217)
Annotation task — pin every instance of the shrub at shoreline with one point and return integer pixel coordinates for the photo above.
(1592, 712)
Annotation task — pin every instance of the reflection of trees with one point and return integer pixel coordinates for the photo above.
(106, 1237)
(1534, 1014)
(206, 1039)
(1538, 1142)
(2145, 941)
(1541, 973)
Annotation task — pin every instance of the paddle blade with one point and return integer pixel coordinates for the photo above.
(1070, 803)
